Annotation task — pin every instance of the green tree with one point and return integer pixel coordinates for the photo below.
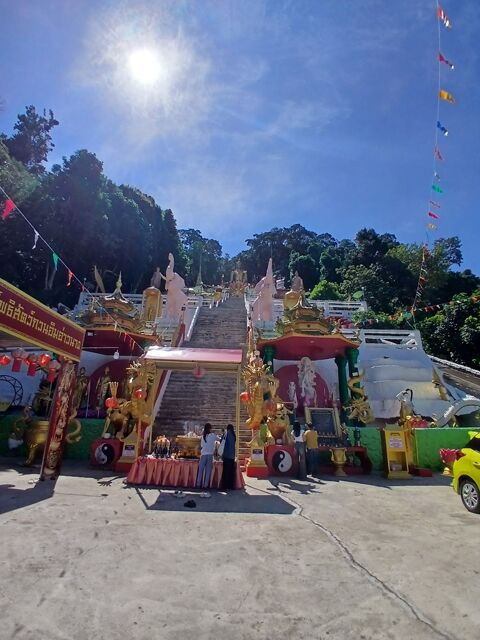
(454, 332)
(325, 290)
(306, 267)
(32, 141)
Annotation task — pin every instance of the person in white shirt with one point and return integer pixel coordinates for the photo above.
(207, 444)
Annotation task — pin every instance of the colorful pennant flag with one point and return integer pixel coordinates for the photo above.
(443, 17)
(436, 188)
(69, 278)
(435, 204)
(433, 215)
(35, 240)
(443, 129)
(55, 259)
(445, 61)
(436, 176)
(8, 207)
(431, 226)
(438, 155)
(445, 95)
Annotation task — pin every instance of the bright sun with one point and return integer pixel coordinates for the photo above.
(144, 65)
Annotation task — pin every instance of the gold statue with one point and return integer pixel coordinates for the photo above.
(238, 281)
(81, 389)
(152, 304)
(359, 408)
(102, 388)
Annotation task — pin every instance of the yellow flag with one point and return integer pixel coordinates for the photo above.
(432, 226)
(444, 95)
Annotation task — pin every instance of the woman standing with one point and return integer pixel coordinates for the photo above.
(299, 441)
(207, 444)
(228, 457)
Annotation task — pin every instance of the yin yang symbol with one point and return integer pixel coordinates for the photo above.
(104, 454)
(282, 461)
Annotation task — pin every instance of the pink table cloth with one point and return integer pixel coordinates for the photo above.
(170, 472)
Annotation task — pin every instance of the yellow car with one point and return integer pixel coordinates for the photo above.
(466, 474)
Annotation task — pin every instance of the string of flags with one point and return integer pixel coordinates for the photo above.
(440, 129)
(405, 314)
(9, 207)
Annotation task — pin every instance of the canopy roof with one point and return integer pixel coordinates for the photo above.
(295, 346)
(184, 359)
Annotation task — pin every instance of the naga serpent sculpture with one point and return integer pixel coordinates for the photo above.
(359, 408)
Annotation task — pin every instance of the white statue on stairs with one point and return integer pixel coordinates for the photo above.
(176, 298)
(262, 307)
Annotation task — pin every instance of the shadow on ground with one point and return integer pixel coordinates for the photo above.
(219, 502)
(12, 498)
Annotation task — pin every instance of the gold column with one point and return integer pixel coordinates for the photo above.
(237, 412)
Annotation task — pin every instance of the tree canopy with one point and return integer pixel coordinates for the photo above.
(91, 221)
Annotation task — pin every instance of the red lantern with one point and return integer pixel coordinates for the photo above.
(53, 368)
(4, 360)
(244, 396)
(32, 364)
(44, 359)
(18, 357)
(198, 372)
(139, 394)
(111, 403)
(270, 406)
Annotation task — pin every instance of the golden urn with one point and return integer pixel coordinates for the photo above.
(339, 458)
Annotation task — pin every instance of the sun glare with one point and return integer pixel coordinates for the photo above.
(144, 66)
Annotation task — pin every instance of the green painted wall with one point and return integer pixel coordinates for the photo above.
(428, 442)
(370, 438)
(91, 429)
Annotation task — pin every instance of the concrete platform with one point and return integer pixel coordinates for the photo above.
(358, 559)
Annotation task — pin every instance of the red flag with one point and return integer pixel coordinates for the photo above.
(438, 154)
(445, 61)
(443, 17)
(69, 278)
(433, 215)
(8, 207)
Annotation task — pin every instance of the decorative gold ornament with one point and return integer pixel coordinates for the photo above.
(339, 458)
(359, 408)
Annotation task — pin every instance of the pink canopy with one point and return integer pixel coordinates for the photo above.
(178, 358)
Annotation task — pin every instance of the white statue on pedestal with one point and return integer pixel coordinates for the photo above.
(262, 307)
(306, 381)
(176, 299)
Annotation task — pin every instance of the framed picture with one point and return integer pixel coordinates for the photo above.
(325, 421)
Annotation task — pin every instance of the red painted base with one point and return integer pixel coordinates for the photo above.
(123, 467)
(419, 471)
(256, 472)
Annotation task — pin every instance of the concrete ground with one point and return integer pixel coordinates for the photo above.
(329, 559)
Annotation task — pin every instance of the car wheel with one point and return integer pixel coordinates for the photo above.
(470, 495)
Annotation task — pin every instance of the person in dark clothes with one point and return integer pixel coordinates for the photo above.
(299, 442)
(228, 458)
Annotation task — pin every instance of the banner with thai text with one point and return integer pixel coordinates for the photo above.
(30, 320)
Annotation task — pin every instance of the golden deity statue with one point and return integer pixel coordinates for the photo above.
(238, 281)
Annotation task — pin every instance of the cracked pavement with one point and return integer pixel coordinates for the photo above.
(324, 559)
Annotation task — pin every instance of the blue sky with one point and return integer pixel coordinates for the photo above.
(264, 112)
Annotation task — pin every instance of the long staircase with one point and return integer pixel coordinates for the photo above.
(211, 398)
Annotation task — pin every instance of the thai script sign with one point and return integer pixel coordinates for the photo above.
(30, 320)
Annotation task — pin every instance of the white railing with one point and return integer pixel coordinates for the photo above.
(454, 365)
(331, 308)
(408, 338)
